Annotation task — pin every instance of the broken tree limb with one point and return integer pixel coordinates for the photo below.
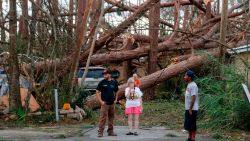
(131, 9)
(114, 57)
(114, 32)
(158, 77)
(122, 7)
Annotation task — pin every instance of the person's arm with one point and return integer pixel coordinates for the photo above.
(116, 98)
(140, 94)
(98, 97)
(194, 92)
(98, 94)
(127, 93)
(116, 94)
(192, 104)
(141, 104)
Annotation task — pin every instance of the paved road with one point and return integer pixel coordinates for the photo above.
(146, 134)
(90, 134)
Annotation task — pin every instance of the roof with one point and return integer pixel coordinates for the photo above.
(240, 49)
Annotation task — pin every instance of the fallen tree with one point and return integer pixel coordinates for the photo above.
(159, 76)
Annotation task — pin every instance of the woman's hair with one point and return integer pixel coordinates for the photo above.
(130, 80)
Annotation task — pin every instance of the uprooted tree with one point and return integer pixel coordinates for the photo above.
(61, 35)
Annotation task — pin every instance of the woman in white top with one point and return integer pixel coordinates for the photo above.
(133, 106)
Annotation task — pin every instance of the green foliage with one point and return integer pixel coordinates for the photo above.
(222, 101)
(217, 136)
(21, 117)
(20, 112)
(91, 115)
(170, 89)
(118, 12)
(44, 118)
(81, 94)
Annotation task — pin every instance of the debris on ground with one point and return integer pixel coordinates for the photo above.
(77, 114)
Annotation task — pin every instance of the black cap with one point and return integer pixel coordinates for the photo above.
(190, 74)
(107, 71)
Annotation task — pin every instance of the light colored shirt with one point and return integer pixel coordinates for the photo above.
(192, 90)
(133, 101)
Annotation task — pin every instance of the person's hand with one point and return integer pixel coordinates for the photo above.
(102, 102)
(115, 101)
(190, 111)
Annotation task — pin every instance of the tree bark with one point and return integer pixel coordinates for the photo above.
(25, 30)
(127, 66)
(185, 19)
(154, 15)
(208, 11)
(14, 95)
(223, 30)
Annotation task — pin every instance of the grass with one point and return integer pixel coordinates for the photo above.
(155, 113)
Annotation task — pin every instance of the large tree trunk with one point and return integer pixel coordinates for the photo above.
(24, 30)
(154, 14)
(80, 37)
(14, 96)
(223, 29)
(158, 77)
(208, 11)
(32, 42)
(128, 42)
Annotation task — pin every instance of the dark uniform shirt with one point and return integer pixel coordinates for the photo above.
(108, 88)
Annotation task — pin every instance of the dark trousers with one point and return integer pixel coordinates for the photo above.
(107, 111)
(190, 121)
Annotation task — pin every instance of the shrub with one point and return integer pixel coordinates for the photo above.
(222, 101)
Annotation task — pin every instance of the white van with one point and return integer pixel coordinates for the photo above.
(94, 76)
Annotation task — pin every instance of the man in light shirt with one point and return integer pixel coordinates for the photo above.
(191, 105)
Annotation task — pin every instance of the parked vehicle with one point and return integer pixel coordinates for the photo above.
(94, 76)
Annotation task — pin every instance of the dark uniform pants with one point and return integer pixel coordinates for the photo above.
(107, 111)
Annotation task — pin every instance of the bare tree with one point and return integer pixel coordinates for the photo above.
(15, 98)
(2, 22)
(80, 36)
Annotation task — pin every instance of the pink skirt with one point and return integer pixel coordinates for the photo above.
(133, 110)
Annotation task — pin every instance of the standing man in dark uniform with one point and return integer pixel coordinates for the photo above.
(106, 95)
